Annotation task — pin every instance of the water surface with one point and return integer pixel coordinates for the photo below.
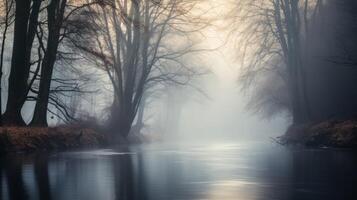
(247, 171)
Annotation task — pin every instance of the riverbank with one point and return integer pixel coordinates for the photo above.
(331, 133)
(27, 139)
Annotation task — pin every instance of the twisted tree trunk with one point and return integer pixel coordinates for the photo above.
(17, 79)
(25, 30)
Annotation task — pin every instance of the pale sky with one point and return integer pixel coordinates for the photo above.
(225, 115)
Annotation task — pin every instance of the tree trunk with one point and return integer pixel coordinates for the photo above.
(295, 98)
(17, 79)
(140, 120)
(290, 39)
(8, 6)
(40, 113)
(120, 122)
(55, 13)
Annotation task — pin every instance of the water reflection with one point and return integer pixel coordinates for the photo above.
(124, 179)
(1, 185)
(42, 177)
(14, 181)
(247, 172)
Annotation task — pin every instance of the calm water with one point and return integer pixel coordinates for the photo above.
(250, 171)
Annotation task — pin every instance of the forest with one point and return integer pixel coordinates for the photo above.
(135, 79)
(303, 59)
(59, 49)
(297, 57)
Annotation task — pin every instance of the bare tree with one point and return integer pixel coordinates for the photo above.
(60, 25)
(133, 48)
(7, 8)
(276, 29)
(26, 19)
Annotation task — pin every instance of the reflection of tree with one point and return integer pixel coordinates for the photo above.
(123, 178)
(329, 174)
(12, 169)
(129, 179)
(42, 178)
(1, 162)
(15, 184)
(142, 193)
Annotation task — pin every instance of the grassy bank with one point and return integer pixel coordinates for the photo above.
(331, 133)
(25, 139)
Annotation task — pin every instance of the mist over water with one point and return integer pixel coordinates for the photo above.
(181, 100)
(224, 117)
(218, 111)
(245, 171)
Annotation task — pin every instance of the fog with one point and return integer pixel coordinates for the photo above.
(218, 110)
(178, 99)
(211, 105)
(224, 117)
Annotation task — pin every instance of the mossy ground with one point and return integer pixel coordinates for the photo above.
(25, 139)
(331, 133)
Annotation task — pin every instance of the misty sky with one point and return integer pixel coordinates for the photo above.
(224, 116)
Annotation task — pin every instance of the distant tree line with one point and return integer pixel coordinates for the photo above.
(298, 57)
(138, 44)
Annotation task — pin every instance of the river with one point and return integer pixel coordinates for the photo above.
(242, 171)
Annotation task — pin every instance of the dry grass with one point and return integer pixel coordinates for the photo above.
(15, 139)
(331, 133)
